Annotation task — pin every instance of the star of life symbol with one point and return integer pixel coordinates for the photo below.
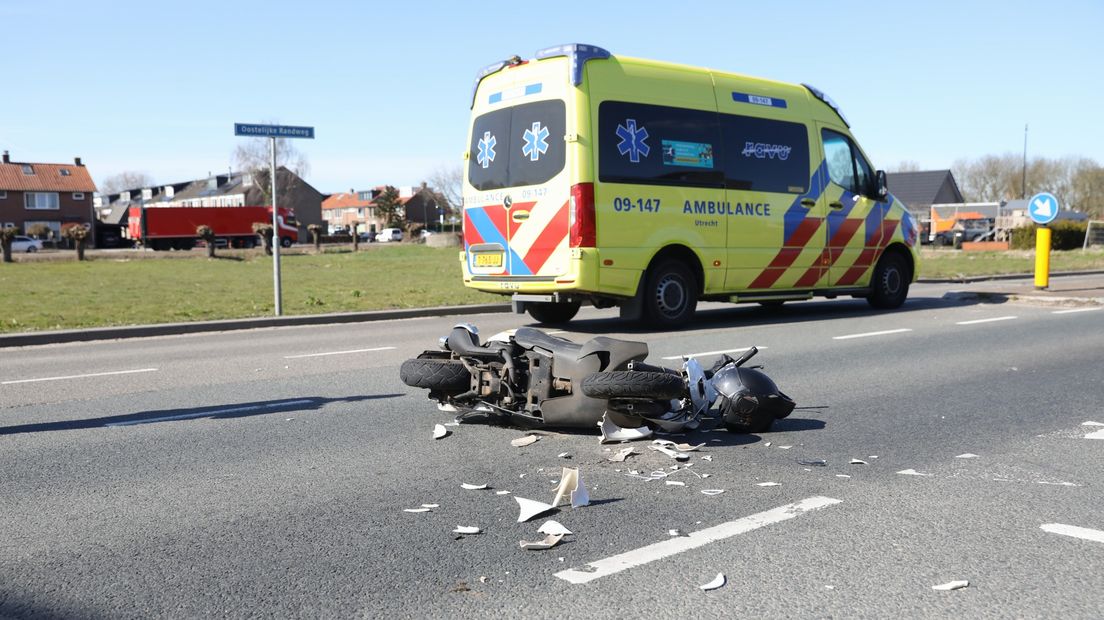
(632, 140)
(536, 141)
(486, 149)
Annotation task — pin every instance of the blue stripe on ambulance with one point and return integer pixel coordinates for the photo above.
(797, 212)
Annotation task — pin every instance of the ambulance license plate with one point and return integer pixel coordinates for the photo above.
(488, 260)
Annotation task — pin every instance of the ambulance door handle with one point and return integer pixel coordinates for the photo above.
(836, 205)
(808, 203)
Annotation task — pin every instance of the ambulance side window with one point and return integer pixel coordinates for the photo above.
(658, 145)
(846, 165)
(765, 155)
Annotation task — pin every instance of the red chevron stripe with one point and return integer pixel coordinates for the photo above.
(869, 255)
(836, 245)
(788, 254)
(471, 233)
(554, 233)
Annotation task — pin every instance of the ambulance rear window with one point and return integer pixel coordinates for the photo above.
(519, 145)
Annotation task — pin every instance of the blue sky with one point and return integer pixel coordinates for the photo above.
(157, 86)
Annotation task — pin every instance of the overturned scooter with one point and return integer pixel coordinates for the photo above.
(533, 379)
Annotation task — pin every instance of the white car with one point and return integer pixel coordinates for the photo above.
(25, 244)
(389, 234)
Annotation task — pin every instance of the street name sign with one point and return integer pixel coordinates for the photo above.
(273, 131)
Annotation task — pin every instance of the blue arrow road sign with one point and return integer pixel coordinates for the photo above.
(1043, 208)
(273, 131)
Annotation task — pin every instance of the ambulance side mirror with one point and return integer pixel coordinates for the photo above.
(882, 187)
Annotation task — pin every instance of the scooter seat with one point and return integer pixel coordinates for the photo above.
(527, 338)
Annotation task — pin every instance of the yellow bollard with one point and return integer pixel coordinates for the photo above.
(1042, 257)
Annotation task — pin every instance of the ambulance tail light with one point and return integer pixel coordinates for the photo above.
(580, 214)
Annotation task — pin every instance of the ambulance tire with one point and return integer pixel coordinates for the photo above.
(435, 375)
(633, 384)
(670, 294)
(552, 313)
(890, 283)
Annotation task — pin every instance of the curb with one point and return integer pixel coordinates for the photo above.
(172, 329)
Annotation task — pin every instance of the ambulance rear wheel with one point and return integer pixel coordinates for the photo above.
(890, 284)
(670, 294)
(552, 313)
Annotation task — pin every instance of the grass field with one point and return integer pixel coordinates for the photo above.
(53, 291)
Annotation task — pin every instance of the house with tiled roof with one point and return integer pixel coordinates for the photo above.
(342, 210)
(49, 194)
(922, 189)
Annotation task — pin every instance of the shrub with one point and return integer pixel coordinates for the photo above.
(1064, 236)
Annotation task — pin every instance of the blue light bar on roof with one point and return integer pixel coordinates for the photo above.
(819, 94)
(579, 54)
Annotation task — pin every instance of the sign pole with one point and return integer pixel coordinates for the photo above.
(1042, 257)
(275, 233)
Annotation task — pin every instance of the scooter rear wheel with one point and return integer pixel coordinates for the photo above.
(435, 375)
(633, 384)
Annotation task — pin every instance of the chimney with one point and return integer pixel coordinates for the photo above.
(7, 160)
(77, 161)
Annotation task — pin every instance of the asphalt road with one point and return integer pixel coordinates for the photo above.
(266, 473)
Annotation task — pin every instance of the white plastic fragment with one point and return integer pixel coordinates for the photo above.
(674, 532)
(467, 529)
(521, 442)
(676, 483)
(431, 505)
(472, 487)
(768, 484)
(623, 454)
(767, 445)
(440, 431)
(529, 508)
(968, 455)
(416, 509)
(843, 475)
(858, 462)
(678, 456)
(681, 447)
(784, 447)
(553, 528)
(612, 433)
(706, 475)
(563, 455)
(571, 488)
(707, 457)
(717, 582)
(502, 492)
(912, 472)
(1091, 423)
(712, 491)
(549, 541)
(951, 585)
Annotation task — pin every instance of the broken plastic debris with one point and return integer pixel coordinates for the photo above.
(814, 463)
(521, 442)
(717, 582)
(1061, 484)
(784, 447)
(549, 541)
(431, 505)
(681, 447)
(674, 532)
(912, 472)
(767, 445)
(572, 488)
(678, 456)
(416, 509)
(564, 455)
(473, 487)
(968, 455)
(553, 528)
(623, 454)
(612, 433)
(843, 475)
(951, 585)
(858, 462)
(1091, 423)
(530, 508)
(768, 484)
(707, 457)
(439, 431)
(467, 529)
(502, 492)
(712, 491)
(676, 483)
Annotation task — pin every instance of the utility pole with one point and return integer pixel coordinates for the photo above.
(1023, 178)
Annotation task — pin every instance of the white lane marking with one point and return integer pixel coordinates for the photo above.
(994, 319)
(294, 357)
(94, 374)
(888, 331)
(672, 546)
(1074, 531)
(707, 353)
(213, 412)
(1078, 310)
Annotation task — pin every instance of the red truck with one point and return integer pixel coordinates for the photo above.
(174, 228)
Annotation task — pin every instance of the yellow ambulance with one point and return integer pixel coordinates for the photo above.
(650, 186)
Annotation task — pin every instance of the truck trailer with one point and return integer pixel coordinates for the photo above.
(174, 228)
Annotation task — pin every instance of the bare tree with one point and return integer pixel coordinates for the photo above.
(254, 156)
(447, 185)
(907, 165)
(129, 179)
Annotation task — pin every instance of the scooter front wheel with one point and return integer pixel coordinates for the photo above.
(436, 375)
(633, 384)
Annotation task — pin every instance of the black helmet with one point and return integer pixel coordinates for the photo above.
(749, 400)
